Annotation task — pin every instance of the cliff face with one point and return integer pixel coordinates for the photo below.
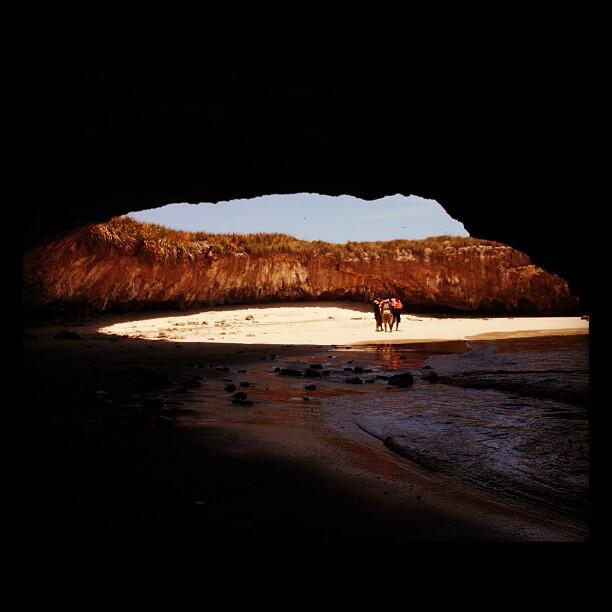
(98, 270)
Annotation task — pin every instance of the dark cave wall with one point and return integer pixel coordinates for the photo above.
(498, 149)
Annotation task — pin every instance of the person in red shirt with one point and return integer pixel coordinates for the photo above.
(396, 309)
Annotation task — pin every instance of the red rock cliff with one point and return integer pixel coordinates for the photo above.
(131, 265)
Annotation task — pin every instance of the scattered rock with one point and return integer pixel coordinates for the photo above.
(249, 318)
(326, 372)
(358, 370)
(306, 399)
(316, 366)
(370, 380)
(242, 402)
(310, 387)
(312, 373)
(241, 395)
(230, 388)
(348, 369)
(354, 381)
(289, 372)
(431, 376)
(245, 384)
(401, 380)
(66, 334)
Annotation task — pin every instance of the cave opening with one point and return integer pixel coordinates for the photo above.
(312, 216)
(287, 248)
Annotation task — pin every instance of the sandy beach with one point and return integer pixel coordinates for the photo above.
(117, 456)
(328, 323)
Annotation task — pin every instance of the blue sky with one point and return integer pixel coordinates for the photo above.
(311, 216)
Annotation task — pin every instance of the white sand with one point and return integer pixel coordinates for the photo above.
(325, 323)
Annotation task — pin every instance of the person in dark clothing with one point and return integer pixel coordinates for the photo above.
(377, 315)
(396, 309)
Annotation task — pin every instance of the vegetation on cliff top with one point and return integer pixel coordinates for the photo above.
(136, 237)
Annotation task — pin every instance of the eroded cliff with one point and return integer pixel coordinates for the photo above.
(129, 265)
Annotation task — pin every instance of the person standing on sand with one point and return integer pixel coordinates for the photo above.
(396, 309)
(387, 315)
(377, 315)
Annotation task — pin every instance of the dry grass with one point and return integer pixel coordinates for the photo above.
(135, 237)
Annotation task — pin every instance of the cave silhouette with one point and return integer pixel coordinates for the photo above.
(501, 150)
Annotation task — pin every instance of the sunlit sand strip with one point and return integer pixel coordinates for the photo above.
(338, 323)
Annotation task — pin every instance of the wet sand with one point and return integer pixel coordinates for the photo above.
(104, 468)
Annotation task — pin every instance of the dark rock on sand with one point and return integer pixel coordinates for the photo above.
(67, 335)
(354, 381)
(310, 387)
(289, 372)
(312, 373)
(401, 380)
(231, 388)
(382, 377)
(326, 373)
(241, 395)
(245, 384)
(316, 366)
(370, 380)
(242, 402)
(431, 376)
(358, 370)
(348, 369)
